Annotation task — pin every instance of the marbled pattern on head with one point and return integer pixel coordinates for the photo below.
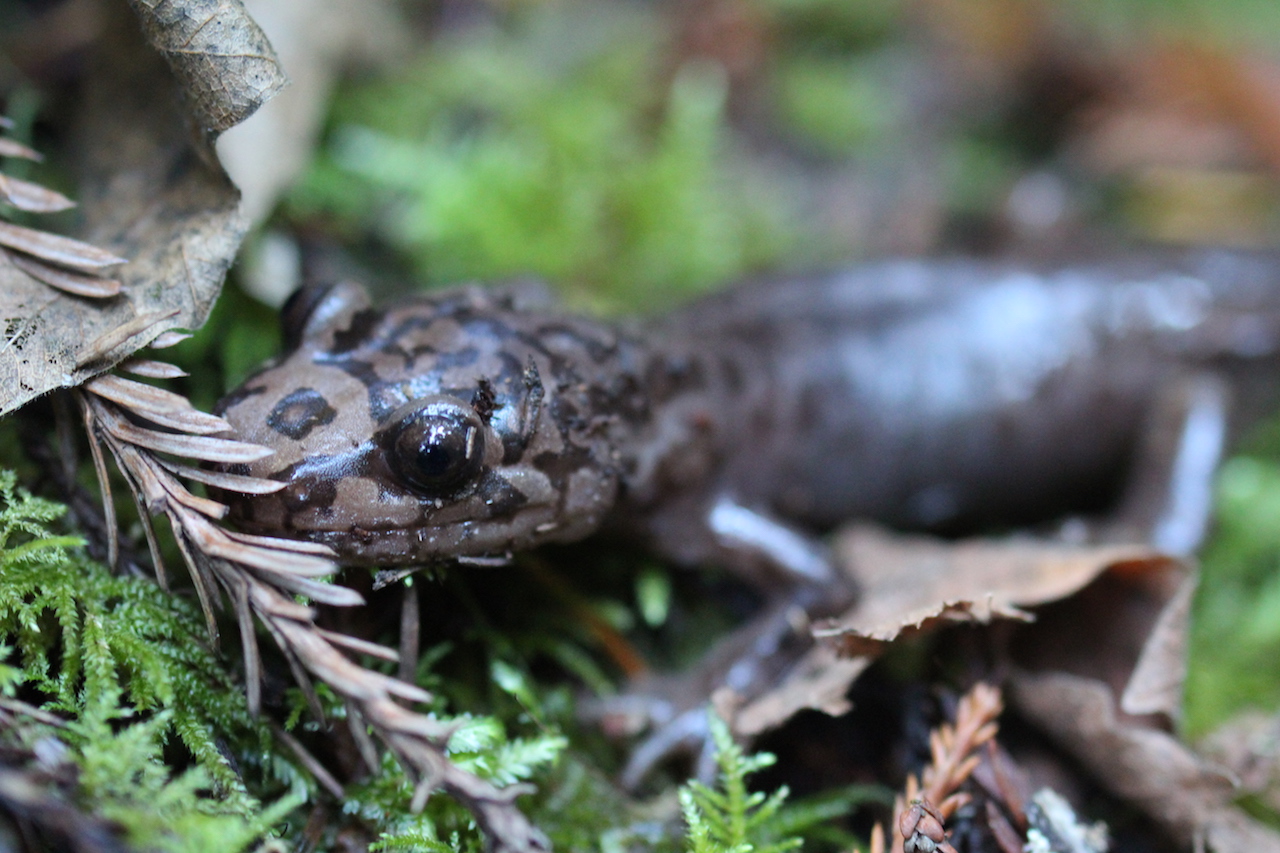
(539, 399)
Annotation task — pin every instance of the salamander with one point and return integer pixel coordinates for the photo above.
(926, 394)
(938, 395)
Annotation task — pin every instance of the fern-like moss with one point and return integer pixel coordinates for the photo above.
(125, 664)
(479, 745)
(730, 818)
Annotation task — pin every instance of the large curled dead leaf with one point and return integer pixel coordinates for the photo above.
(914, 584)
(1183, 793)
(1102, 673)
(315, 40)
(227, 67)
(150, 190)
(1101, 648)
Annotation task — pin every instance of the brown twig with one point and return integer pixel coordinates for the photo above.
(260, 576)
(921, 812)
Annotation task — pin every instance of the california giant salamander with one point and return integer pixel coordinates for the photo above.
(936, 394)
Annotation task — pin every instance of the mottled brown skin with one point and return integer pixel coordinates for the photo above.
(933, 394)
(549, 391)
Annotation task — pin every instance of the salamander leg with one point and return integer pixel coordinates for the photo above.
(1168, 501)
(673, 708)
(803, 584)
(748, 536)
(687, 733)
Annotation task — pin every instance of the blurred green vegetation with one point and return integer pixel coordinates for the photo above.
(556, 145)
(1235, 636)
(1236, 22)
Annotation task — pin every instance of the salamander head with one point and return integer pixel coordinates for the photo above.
(419, 433)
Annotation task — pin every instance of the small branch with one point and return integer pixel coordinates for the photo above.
(60, 262)
(920, 814)
(954, 749)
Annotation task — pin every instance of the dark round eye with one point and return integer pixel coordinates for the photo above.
(438, 449)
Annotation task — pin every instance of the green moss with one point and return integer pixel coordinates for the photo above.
(838, 104)
(1235, 639)
(126, 665)
(729, 817)
(504, 152)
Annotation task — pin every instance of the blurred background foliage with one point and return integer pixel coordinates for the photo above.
(635, 153)
(553, 142)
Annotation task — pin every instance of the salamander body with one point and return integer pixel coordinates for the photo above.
(938, 395)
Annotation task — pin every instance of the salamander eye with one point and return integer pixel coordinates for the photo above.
(437, 449)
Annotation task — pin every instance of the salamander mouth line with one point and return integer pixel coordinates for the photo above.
(415, 531)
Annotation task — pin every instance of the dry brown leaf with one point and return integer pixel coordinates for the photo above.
(820, 681)
(272, 562)
(1155, 685)
(152, 369)
(902, 576)
(169, 339)
(1124, 635)
(10, 148)
(1124, 629)
(1146, 767)
(33, 198)
(191, 446)
(158, 405)
(360, 646)
(55, 249)
(875, 638)
(222, 480)
(77, 284)
(204, 506)
(101, 348)
(150, 190)
(300, 546)
(912, 584)
(225, 63)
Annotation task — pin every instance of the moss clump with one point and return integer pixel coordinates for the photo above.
(600, 170)
(126, 666)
